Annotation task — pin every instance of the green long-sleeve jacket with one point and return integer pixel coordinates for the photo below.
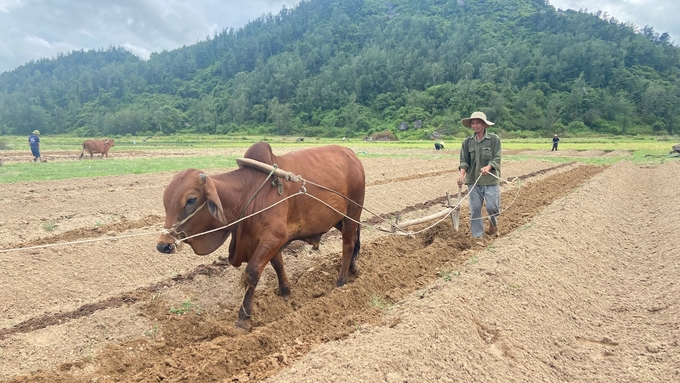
(474, 155)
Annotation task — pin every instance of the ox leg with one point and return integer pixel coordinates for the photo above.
(349, 239)
(252, 276)
(263, 255)
(277, 264)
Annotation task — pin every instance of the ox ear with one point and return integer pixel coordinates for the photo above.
(213, 199)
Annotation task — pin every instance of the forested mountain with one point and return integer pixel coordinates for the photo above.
(354, 67)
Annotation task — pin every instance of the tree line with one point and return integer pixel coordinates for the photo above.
(356, 67)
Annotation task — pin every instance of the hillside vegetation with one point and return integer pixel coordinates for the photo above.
(356, 67)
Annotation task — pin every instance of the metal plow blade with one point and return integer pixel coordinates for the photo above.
(455, 215)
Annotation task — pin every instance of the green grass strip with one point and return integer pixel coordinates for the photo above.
(59, 170)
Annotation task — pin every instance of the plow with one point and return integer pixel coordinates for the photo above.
(450, 210)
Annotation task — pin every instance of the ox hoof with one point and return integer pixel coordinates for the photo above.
(354, 270)
(284, 293)
(340, 282)
(243, 326)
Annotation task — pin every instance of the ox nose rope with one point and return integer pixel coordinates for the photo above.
(74, 242)
(302, 191)
(172, 231)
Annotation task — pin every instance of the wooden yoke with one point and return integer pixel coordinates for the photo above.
(261, 166)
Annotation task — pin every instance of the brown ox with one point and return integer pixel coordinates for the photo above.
(258, 240)
(97, 146)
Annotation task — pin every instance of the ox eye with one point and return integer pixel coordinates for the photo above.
(191, 201)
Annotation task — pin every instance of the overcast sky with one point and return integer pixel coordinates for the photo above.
(32, 29)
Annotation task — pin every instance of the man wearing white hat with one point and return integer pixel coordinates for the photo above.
(480, 161)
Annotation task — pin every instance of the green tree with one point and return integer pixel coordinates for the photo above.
(281, 115)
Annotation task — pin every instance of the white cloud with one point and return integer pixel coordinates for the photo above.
(32, 29)
(6, 5)
(37, 42)
(660, 14)
(137, 50)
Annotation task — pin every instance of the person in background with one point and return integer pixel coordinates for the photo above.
(34, 143)
(556, 140)
(480, 157)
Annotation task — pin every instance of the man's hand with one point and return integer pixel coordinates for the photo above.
(461, 178)
(486, 169)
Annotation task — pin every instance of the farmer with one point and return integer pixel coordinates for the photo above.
(556, 140)
(480, 170)
(34, 143)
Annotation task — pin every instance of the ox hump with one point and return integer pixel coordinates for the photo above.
(260, 151)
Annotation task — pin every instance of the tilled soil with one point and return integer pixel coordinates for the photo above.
(585, 291)
(116, 310)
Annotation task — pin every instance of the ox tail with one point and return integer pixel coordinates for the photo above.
(357, 245)
(81, 153)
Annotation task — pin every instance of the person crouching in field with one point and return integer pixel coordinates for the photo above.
(480, 161)
(34, 143)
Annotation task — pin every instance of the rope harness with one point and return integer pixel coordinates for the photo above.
(395, 229)
(180, 236)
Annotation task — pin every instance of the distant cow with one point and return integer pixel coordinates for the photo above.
(97, 146)
(301, 139)
(258, 240)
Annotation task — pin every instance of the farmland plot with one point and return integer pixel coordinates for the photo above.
(579, 286)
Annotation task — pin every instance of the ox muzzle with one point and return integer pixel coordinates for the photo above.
(172, 240)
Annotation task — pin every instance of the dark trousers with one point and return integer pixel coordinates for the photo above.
(554, 146)
(36, 153)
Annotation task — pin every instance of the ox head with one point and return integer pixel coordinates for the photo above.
(192, 206)
(109, 143)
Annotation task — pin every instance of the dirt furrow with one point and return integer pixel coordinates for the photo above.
(202, 346)
(138, 294)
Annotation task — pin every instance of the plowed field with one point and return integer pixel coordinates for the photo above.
(581, 285)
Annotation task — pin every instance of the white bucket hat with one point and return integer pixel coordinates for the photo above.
(476, 115)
